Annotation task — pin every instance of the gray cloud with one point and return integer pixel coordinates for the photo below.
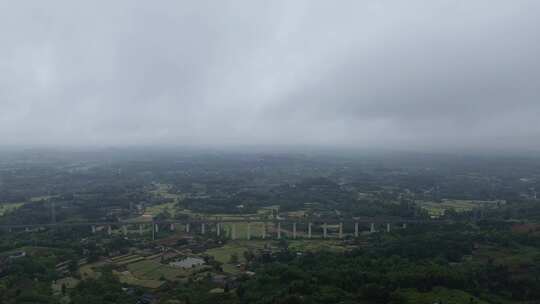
(394, 74)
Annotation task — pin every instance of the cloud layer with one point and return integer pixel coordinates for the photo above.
(385, 74)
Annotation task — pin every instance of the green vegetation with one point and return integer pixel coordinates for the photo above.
(438, 295)
(169, 208)
(241, 228)
(89, 272)
(316, 245)
(148, 270)
(68, 282)
(484, 246)
(237, 248)
(9, 207)
(130, 279)
(515, 257)
(439, 209)
(106, 289)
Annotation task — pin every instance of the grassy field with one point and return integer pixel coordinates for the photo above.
(162, 190)
(141, 268)
(89, 271)
(69, 282)
(172, 208)
(129, 278)
(438, 294)
(8, 207)
(42, 198)
(157, 209)
(241, 229)
(436, 209)
(267, 211)
(297, 214)
(131, 260)
(238, 247)
(257, 229)
(223, 254)
(316, 245)
(151, 272)
(262, 213)
(36, 250)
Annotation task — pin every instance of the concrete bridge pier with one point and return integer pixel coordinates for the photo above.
(309, 230)
(340, 230)
(404, 226)
(156, 227)
(125, 230)
(279, 230)
(172, 227)
(93, 228)
(388, 227)
(294, 230)
(109, 230)
(218, 229)
(248, 232)
(325, 230)
(203, 228)
(372, 228)
(355, 229)
(233, 231)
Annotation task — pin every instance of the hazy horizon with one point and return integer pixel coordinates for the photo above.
(400, 76)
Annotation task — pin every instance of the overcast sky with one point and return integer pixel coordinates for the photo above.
(384, 74)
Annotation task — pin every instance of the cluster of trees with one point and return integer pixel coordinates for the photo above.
(88, 186)
(422, 259)
(379, 274)
(28, 280)
(106, 289)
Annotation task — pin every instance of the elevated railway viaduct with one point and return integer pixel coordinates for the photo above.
(271, 229)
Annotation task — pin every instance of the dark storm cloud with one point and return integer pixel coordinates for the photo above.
(415, 74)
